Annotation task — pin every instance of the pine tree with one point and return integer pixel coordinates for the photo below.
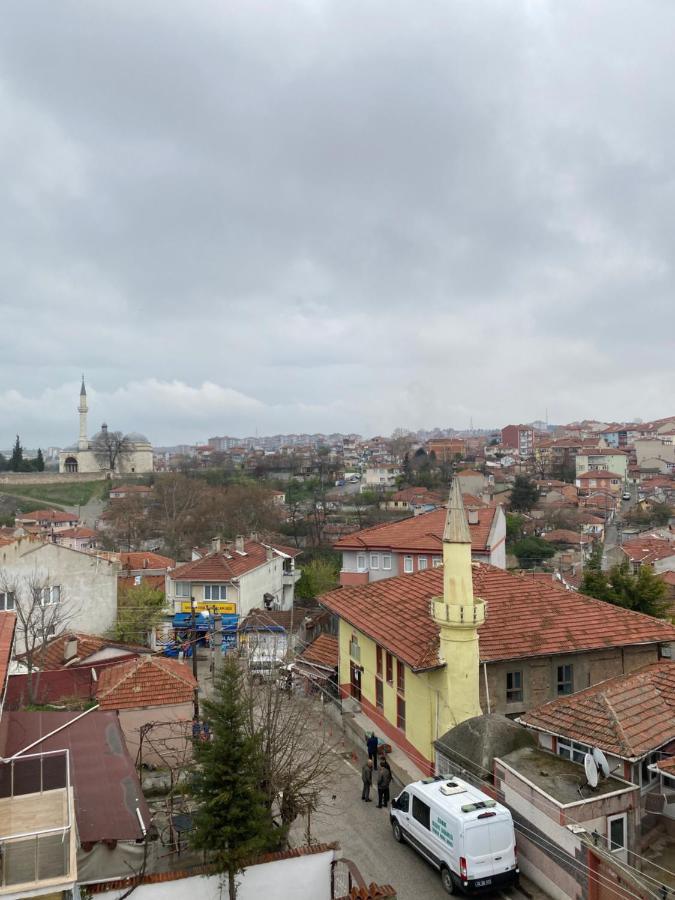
(232, 823)
(524, 494)
(39, 464)
(16, 459)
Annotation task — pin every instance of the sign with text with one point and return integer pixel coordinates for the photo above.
(219, 607)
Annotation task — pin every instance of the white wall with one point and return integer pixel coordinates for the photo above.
(300, 878)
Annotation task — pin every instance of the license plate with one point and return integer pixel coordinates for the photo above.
(484, 882)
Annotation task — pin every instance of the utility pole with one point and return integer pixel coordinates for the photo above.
(193, 632)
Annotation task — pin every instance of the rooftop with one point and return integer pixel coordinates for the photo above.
(263, 619)
(648, 549)
(49, 515)
(148, 681)
(228, 563)
(323, 651)
(86, 645)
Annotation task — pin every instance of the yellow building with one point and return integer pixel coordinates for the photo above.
(423, 681)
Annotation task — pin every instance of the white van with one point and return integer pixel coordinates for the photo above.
(463, 832)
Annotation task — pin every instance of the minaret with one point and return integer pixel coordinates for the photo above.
(83, 443)
(458, 615)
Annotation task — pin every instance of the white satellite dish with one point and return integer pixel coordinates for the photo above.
(601, 761)
(591, 770)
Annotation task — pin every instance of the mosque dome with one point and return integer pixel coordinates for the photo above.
(135, 437)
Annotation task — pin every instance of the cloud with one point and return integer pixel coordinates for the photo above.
(356, 215)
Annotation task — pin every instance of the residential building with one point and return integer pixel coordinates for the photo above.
(235, 578)
(519, 438)
(606, 460)
(46, 521)
(122, 491)
(655, 454)
(144, 568)
(414, 500)
(650, 550)
(268, 633)
(600, 481)
(418, 656)
(416, 543)
(380, 478)
(447, 450)
(79, 538)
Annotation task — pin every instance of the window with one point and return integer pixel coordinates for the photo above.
(437, 561)
(183, 589)
(421, 812)
(360, 562)
(354, 649)
(514, 687)
(407, 563)
(215, 592)
(390, 669)
(378, 656)
(49, 596)
(374, 560)
(616, 833)
(565, 679)
(403, 801)
(648, 776)
(422, 562)
(6, 601)
(386, 561)
(400, 677)
(572, 750)
(379, 693)
(400, 713)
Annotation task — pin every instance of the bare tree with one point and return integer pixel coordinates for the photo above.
(42, 613)
(110, 448)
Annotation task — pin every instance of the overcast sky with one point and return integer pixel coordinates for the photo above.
(334, 214)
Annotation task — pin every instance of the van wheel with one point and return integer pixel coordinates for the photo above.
(446, 880)
(398, 834)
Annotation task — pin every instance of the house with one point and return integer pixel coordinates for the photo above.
(418, 654)
(78, 538)
(121, 491)
(76, 648)
(446, 450)
(415, 544)
(154, 700)
(235, 578)
(599, 481)
(78, 589)
(650, 550)
(46, 521)
(568, 538)
(144, 568)
(380, 478)
(268, 633)
(519, 438)
(604, 459)
(317, 665)
(655, 454)
(413, 499)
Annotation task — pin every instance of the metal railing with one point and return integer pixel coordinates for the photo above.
(27, 785)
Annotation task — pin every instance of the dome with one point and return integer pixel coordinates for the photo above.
(135, 437)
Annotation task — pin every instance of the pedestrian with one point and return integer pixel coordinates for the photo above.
(371, 744)
(367, 779)
(383, 782)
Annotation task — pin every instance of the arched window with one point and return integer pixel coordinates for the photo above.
(71, 464)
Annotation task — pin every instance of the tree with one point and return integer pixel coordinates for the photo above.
(317, 577)
(16, 459)
(39, 463)
(532, 550)
(514, 527)
(524, 494)
(110, 448)
(139, 610)
(128, 524)
(233, 822)
(642, 592)
(181, 514)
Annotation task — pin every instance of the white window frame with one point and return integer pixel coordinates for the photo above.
(7, 601)
(361, 565)
(50, 596)
(374, 560)
(386, 561)
(422, 563)
(437, 562)
(183, 589)
(622, 851)
(408, 565)
(221, 590)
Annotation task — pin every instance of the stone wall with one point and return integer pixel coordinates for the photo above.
(18, 478)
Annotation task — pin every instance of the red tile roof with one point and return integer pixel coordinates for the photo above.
(648, 549)
(79, 532)
(525, 617)
(145, 560)
(423, 533)
(7, 626)
(566, 536)
(628, 716)
(599, 474)
(87, 645)
(323, 651)
(227, 563)
(149, 681)
(49, 515)
(260, 619)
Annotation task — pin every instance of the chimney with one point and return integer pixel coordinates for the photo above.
(239, 543)
(472, 515)
(269, 554)
(254, 536)
(215, 545)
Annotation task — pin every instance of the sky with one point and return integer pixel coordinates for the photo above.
(334, 215)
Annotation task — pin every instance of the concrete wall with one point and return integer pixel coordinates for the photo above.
(18, 478)
(88, 583)
(169, 738)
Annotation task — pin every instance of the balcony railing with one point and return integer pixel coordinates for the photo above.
(36, 834)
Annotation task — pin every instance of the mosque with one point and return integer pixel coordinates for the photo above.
(135, 455)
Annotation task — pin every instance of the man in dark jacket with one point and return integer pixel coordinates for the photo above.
(383, 782)
(367, 779)
(371, 744)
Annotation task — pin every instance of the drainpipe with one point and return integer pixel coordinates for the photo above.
(487, 689)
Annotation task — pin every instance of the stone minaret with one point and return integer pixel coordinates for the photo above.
(83, 443)
(458, 615)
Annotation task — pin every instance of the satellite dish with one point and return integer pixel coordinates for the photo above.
(591, 770)
(601, 761)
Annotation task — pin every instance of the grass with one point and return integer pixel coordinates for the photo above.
(75, 494)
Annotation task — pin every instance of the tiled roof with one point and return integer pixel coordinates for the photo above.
(260, 619)
(149, 681)
(227, 563)
(628, 716)
(79, 532)
(566, 536)
(525, 617)
(145, 560)
(50, 515)
(87, 645)
(323, 651)
(600, 473)
(648, 549)
(7, 626)
(423, 533)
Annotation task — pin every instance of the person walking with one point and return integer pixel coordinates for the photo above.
(367, 779)
(371, 744)
(383, 782)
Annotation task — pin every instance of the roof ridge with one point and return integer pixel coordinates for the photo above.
(618, 727)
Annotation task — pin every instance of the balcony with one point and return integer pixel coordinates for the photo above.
(37, 838)
(291, 577)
